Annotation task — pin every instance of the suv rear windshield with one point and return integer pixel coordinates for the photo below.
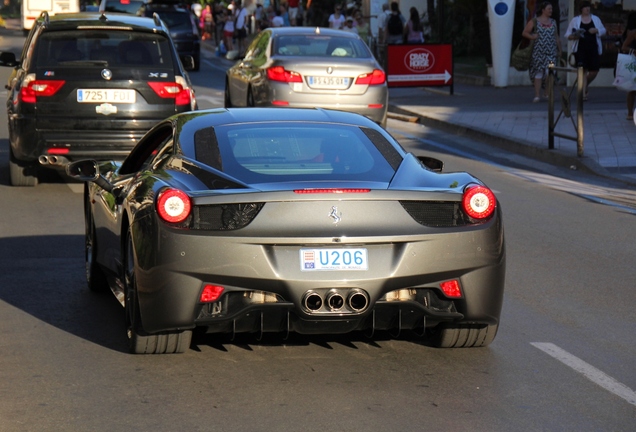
(104, 47)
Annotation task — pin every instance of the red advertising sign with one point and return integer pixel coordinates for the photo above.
(420, 65)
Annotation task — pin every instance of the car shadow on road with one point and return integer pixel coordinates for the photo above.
(48, 282)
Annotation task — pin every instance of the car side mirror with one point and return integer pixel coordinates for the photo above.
(8, 59)
(431, 163)
(188, 62)
(88, 171)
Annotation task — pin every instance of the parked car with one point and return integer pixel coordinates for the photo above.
(290, 220)
(304, 67)
(90, 85)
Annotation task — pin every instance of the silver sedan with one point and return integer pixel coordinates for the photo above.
(304, 67)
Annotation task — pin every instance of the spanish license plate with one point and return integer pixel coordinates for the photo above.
(106, 95)
(334, 259)
(325, 82)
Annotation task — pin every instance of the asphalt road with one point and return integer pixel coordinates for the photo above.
(564, 358)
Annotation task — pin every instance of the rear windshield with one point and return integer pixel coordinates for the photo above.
(319, 46)
(274, 153)
(104, 48)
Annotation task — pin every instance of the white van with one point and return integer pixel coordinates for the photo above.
(31, 9)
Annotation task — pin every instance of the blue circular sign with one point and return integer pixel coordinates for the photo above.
(501, 8)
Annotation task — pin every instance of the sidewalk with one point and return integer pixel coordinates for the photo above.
(506, 117)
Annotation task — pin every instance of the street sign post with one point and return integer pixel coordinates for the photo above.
(421, 65)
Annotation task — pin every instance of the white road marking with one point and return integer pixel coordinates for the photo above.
(588, 371)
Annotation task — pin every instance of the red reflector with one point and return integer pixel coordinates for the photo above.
(277, 102)
(278, 73)
(57, 151)
(336, 191)
(211, 293)
(451, 288)
(478, 202)
(37, 88)
(376, 77)
(173, 205)
(376, 105)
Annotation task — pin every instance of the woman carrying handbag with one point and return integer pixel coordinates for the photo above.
(586, 31)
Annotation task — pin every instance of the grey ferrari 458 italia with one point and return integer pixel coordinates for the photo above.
(290, 220)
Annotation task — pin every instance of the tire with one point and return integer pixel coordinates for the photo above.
(448, 336)
(197, 63)
(140, 342)
(22, 174)
(227, 102)
(250, 98)
(95, 277)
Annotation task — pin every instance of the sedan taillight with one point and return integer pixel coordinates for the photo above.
(169, 89)
(32, 88)
(377, 77)
(478, 202)
(278, 73)
(173, 205)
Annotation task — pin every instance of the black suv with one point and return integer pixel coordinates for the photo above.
(89, 85)
(181, 21)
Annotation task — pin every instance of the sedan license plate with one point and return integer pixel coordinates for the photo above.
(333, 259)
(323, 82)
(105, 96)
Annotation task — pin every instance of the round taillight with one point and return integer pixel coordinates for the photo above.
(173, 205)
(478, 202)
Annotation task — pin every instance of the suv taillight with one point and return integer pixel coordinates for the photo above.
(32, 88)
(181, 94)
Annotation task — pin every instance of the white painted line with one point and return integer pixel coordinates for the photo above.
(588, 371)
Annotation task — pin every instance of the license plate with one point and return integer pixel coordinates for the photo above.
(319, 82)
(105, 95)
(333, 259)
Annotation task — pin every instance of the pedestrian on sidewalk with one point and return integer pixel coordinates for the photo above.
(395, 25)
(586, 30)
(546, 49)
(413, 30)
(629, 45)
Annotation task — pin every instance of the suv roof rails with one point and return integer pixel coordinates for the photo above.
(155, 16)
(45, 17)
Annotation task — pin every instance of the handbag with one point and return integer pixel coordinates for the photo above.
(625, 72)
(522, 55)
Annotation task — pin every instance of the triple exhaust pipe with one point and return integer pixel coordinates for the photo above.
(354, 300)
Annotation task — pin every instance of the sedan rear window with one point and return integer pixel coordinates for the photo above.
(274, 153)
(104, 48)
(319, 46)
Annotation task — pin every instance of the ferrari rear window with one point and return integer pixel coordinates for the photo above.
(265, 153)
(104, 48)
